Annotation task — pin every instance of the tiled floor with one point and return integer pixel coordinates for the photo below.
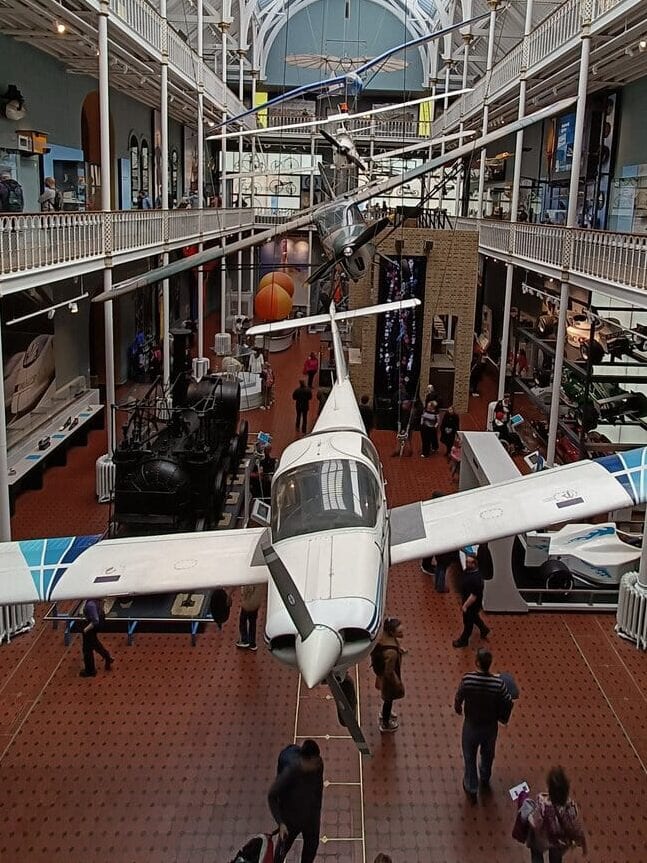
(168, 758)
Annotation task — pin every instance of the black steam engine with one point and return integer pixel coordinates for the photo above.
(177, 453)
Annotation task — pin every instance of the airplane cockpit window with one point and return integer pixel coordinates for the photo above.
(324, 495)
(370, 452)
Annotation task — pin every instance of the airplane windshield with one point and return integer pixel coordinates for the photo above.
(324, 495)
(334, 216)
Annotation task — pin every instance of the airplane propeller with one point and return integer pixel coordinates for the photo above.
(318, 647)
(345, 146)
(365, 237)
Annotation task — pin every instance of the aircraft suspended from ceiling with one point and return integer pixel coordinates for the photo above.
(351, 82)
(348, 244)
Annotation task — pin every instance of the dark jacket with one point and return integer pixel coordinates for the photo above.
(448, 428)
(472, 583)
(295, 796)
(485, 698)
(302, 396)
(389, 682)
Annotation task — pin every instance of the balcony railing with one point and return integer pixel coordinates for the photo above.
(33, 242)
(609, 258)
(362, 129)
(551, 36)
(146, 25)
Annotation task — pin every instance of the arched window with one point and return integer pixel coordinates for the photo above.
(145, 168)
(135, 186)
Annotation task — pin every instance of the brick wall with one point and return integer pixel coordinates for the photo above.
(450, 289)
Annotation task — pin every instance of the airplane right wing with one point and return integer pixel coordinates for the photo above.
(572, 492)
(81, 567)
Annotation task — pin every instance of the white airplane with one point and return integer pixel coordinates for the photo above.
(330, 539)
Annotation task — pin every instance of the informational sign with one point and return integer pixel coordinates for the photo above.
(564, 146)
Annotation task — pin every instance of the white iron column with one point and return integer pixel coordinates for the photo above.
(442, 146)
(493, 4)
(254, 74)
(166, 309)
(514, 203)
(464, 176)
(224, 26)
(200, 190)
(642, 569)
(571, 220)
(106, 204)
(241, 93)
(311, 200)
(5, 504)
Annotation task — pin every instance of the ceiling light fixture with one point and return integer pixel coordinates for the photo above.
(642, 45)
(51, 313)
(60, 28)
(74, 308)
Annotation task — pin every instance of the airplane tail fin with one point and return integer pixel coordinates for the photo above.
(332, 318)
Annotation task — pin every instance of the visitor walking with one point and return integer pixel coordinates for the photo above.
(301, 397)
(386, 659)
(484, 700)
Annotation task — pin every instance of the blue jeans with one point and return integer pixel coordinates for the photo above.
(474, 738)
(439, 577)
(247, 627)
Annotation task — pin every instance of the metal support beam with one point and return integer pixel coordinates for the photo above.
(571, 219)
(106, 205)
(5, 502)
(486, 109)
(200, 189)
(514, 206)
(164, 192)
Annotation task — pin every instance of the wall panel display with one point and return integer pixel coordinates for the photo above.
(399, 333)
(564, 143)
(289, 255)
(28, 358)
(190, 160)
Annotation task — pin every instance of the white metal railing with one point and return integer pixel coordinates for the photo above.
(32, 242)
(543, 243)
(555, 31)
(362, 128)
(507, 69)
(141, 18)
(618, 258)
(561, 27)
(182, 57)
(269, 216)
(494, 235)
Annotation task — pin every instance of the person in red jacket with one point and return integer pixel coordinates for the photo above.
(311, 367)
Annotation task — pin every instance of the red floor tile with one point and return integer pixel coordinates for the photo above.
(169, 757)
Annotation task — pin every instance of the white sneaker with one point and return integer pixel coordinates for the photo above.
(389, 727)
(242, 644)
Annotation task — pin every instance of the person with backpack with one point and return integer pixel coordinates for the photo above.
(51, 200)
(11, 195)
(386, 660)
(95, 617)
(554, 824)
(295, 800)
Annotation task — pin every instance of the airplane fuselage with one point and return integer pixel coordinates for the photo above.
(330, 528)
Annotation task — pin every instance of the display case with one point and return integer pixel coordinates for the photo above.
(628, 211)
(67, 166)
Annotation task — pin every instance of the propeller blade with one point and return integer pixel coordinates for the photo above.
(371, 232)
(318, 647)
(347, 712)
(323, 270)
(288, 591)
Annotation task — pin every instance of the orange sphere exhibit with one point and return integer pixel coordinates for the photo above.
(278, 278)
(272, 303)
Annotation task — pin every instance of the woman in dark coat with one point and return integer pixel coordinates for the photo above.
(386, 659)
(449, 426)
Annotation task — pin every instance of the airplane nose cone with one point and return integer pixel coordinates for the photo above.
(318, 654)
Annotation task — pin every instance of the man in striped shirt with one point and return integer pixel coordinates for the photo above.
(485, 701)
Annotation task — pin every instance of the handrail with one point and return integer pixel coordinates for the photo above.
(33, 242)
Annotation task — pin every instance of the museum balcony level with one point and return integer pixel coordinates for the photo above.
(550, 58)
(50, 246)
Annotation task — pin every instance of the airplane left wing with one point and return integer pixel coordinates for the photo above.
(573, 492)
(78, 567)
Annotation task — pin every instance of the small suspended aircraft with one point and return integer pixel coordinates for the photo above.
(329, 538)
(358, 196)
(351, 81)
